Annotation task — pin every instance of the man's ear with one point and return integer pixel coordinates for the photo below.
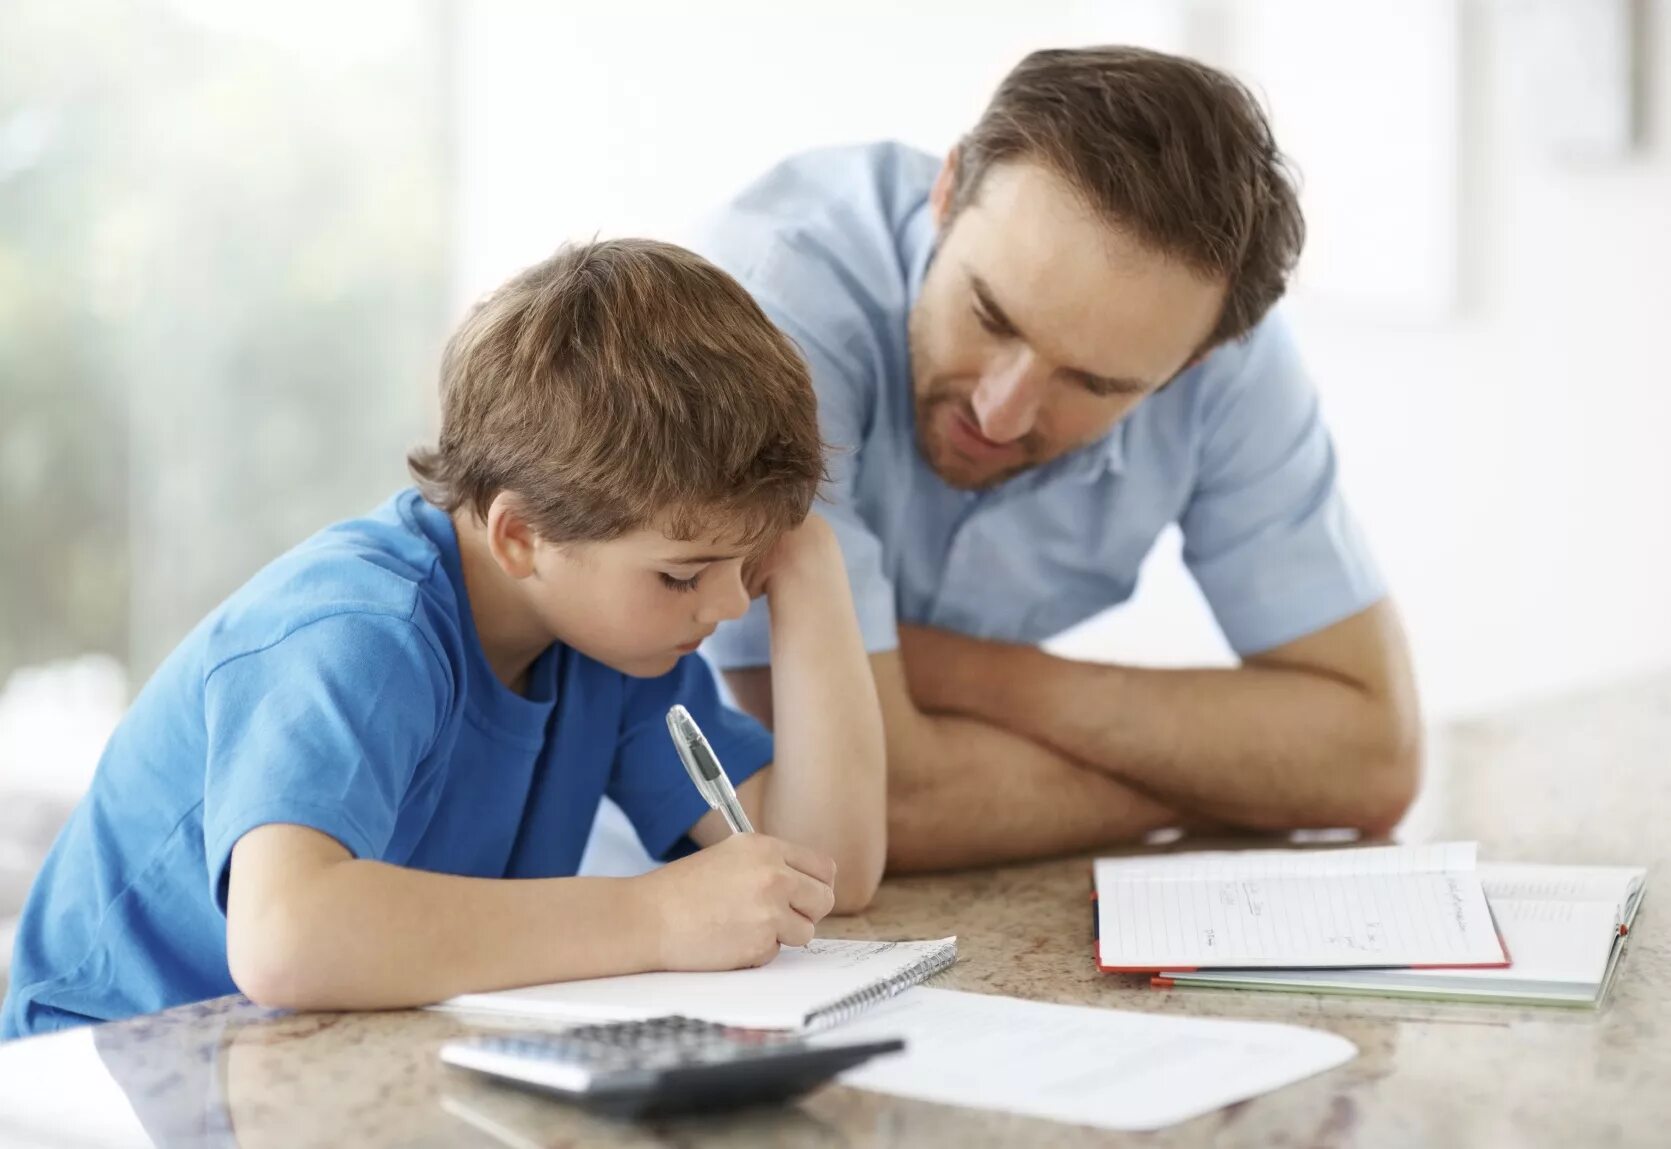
(945, 185)
(511, 539)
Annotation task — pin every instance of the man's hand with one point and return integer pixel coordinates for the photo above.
(732, 905)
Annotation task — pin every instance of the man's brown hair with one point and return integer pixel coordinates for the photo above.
(1175, 152)
(620, 381)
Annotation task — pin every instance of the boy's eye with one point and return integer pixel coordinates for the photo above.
(680, 583)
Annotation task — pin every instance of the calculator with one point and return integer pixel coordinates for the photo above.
(661, 1066)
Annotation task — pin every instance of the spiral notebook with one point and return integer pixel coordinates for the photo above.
(814, 987)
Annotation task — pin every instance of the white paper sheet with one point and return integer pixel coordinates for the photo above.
(1552, 883)
(1387, 906)
(1079, 1064)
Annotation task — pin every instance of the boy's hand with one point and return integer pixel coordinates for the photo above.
(733, 904)
(809, 545)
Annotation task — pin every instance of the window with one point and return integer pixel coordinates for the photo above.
(225, 260)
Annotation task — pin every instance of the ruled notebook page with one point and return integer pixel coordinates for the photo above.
(1380, 906)
(1560, 921)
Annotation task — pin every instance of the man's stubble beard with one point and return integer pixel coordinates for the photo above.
(927, 399)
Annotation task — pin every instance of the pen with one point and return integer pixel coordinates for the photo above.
(704, 769)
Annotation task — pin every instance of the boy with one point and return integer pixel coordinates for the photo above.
(365, 780)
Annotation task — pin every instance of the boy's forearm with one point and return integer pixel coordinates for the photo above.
(828, 786)
(369, 935)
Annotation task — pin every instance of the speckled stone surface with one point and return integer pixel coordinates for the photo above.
(1587, 780)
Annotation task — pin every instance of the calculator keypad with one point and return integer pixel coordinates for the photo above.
(659, 1043)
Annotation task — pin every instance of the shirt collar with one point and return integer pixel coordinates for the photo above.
(1106, 456)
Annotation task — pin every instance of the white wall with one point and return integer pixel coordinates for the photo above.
(1505, 456)
(633, 116)
(1514, 463)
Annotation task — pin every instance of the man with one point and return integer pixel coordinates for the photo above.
(1032, 358)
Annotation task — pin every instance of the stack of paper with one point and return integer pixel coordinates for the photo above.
(1564, 927)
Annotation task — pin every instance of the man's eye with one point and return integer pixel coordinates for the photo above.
(679, 583)
(992, 326)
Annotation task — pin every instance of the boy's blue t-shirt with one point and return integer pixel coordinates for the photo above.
(343, 688)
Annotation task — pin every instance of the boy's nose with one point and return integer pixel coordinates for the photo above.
(728, 600)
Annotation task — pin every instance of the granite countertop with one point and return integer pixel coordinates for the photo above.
(1581, 781)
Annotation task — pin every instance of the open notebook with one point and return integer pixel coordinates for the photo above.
(819, 985)
(1292, 909)
(1564, 925)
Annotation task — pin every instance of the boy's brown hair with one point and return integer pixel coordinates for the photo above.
(618, 382)
(1174, 151)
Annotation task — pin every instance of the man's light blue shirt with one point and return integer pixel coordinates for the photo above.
(834, 245)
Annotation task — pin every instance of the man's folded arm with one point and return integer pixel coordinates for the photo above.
(962, 792)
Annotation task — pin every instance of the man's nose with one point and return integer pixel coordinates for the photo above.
(1007, 398)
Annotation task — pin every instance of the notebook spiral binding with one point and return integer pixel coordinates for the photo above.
(854, 1004)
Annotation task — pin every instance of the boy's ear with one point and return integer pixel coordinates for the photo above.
(511, 539)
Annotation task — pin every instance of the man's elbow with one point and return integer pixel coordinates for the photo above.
(1394, 781)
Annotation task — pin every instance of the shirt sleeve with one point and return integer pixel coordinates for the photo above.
(324, 728)
(649, 782)
(846, 396)
(1267, 534)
